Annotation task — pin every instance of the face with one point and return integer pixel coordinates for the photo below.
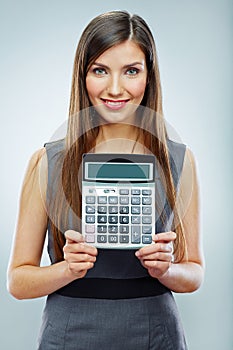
(116, 82)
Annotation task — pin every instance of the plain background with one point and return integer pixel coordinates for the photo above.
(194, 41)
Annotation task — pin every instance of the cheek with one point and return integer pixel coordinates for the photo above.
(138, 89)
(93, 87)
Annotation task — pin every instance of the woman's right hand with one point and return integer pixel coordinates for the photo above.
(80, 257)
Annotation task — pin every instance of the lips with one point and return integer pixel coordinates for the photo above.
(114, 104)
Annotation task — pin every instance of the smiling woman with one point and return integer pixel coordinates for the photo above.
(110, 298)
(118, 80)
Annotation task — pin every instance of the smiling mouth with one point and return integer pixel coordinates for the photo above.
(114, 104)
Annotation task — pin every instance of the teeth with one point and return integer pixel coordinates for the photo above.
(114, 103)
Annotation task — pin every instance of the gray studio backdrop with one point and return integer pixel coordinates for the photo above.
(194, 40)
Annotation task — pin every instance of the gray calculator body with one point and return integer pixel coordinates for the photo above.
(118, 200)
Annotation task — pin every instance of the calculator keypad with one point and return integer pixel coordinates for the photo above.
(122, 218)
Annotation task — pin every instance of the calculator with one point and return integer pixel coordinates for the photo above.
(118, 200)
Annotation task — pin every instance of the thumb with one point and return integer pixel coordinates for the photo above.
(73, 236)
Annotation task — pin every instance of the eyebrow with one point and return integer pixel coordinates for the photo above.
(125, 66)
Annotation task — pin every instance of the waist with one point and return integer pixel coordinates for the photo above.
(106, 288)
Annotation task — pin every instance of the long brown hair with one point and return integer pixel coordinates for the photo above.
(103, 32)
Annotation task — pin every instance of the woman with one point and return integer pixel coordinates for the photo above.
(109, 299)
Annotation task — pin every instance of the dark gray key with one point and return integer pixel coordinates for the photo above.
(112, 239)
(124, 229)
(90, 209)
(146, 239)
(101, 228)
(101, 238)
(102, 209)
(112, 229)
(102, 219)
(124, 219)
(124, 210)
(113, 209)
(124, 239)
(90, 219)
(113, 219)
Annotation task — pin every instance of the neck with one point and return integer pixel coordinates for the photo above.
(116, 131)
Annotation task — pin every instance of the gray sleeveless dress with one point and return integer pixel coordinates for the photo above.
(81, 316)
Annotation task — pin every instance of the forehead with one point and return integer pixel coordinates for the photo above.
(126, 51)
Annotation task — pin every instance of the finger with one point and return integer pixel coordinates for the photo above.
(153, 248)
(160, 266)
(78, 268)
(164, 236)
(77, 258)
(73, 236)
(159, 256)
(77, 248)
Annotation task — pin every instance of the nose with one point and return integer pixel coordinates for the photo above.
(115, 86)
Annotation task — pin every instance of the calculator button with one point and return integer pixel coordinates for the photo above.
(124, 191)
(146, 200)
(135, 219)
(124, 239)
(146, 239)
(102, 219)
(102, 209)
(146, 210)
(124, 210)
(102, 199)
(90, 209)
(112, 229)
(124, 219)
(146, 192)
(113, 219)
(101, 238)
(124, 200)
(147, 219)
(90, 228)
(112, 239)
(90, 219)
(101, 228)
(113, 209)
(135, 200)
(135, 192)
(146, 229)
(90, 199)
(90, 238)
(124, 229)
(113, 200)
(135, 234)
(135, 210)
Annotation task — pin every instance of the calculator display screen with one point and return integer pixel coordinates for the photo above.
(119, 171)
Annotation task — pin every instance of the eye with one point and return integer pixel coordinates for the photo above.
(99, 71)
(132, 71)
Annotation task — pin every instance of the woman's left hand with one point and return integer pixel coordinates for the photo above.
(158, 256)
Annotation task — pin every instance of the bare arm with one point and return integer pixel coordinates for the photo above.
(185, 276)
(26, 279)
